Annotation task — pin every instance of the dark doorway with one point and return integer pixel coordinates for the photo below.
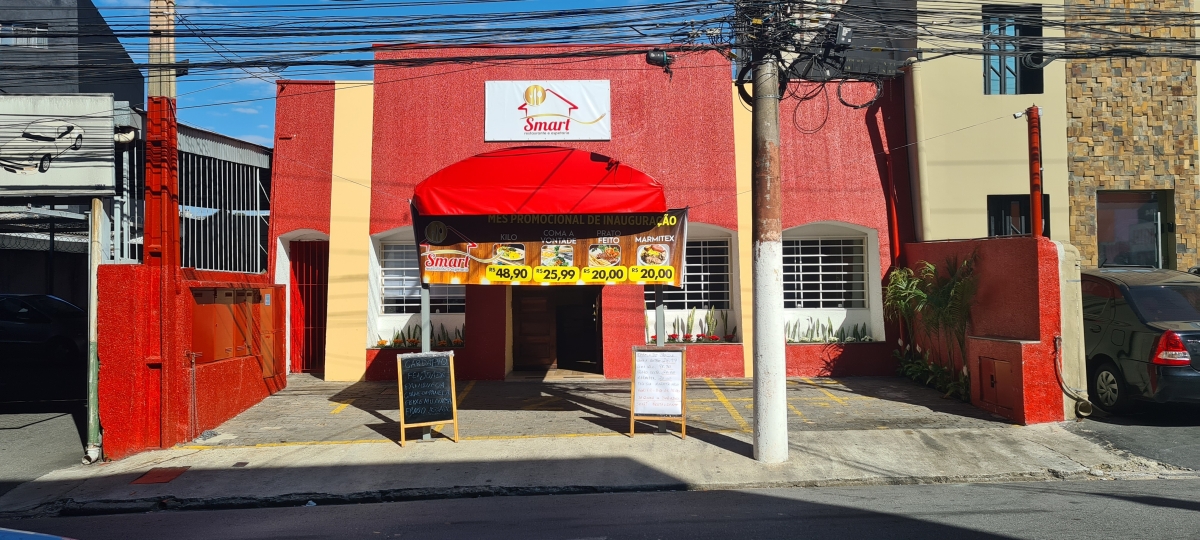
(310, 292)
(557, 328)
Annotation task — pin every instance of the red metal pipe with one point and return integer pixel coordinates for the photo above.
(1033, 118)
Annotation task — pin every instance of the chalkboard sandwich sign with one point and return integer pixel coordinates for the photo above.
(658, 387)
(427, 391)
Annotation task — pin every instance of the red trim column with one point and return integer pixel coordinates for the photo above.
(161, 250)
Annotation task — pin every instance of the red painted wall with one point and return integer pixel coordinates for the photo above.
(1015, 319)
(840, 164)
(129, 388)
(146, 401)
(302, 166)
(677, 129)
(839, 360)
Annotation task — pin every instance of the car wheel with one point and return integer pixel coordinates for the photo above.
(78, 143)
(1107, 389)
(44, 164)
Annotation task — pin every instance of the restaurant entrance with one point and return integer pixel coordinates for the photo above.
(557, 328)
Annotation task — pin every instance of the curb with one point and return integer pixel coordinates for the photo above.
(71, 507)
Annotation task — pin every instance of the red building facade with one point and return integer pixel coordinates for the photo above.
(846, 187)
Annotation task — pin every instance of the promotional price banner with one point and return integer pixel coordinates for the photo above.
(552, 249)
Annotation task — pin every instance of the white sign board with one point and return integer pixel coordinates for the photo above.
(547, 111)
(658, 383)
(56, 144)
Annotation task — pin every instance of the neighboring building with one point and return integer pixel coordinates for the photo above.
(1132, 140)
(970, 157)
(83, 57)
(349, 155)
(225, 353)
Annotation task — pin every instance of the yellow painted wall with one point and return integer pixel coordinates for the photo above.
(742, 122)
(969, 146)
(349, 233)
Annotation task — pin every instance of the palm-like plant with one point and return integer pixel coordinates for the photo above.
(904, 298)
(939, 303)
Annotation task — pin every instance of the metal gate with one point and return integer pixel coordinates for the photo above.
(310, 288)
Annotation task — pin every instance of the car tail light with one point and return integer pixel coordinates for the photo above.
(1169, 351)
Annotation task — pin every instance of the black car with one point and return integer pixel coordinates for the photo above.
(43, 348)
(1142, 336)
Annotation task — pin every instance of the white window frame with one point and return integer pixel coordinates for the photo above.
(701, 232)
(872, 313)
(381, 325)
(442, 298)
(826, 271)
(677, 295)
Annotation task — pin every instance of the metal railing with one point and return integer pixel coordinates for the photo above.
(223, 214)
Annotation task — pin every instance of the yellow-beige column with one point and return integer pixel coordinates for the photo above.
(349, 232)
(742, 123)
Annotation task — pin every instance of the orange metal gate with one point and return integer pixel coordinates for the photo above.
(310, 288)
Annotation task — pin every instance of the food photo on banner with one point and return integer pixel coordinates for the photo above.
(552, 249)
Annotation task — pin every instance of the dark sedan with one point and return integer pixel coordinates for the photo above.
(43, 348)
(1142, 336)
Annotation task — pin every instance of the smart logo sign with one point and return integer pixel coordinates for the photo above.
(547, 111)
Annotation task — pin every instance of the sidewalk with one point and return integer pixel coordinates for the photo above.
(334, 443)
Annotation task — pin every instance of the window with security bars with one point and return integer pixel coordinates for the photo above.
(402, 284)
(705, 278)
(24, 35)
(1010, 35)
(824, 273)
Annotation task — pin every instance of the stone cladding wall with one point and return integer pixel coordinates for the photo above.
(1132, 125)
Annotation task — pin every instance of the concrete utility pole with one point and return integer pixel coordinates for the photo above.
(161, 238)
(770, 366)
(92, 451)
(1034, 120)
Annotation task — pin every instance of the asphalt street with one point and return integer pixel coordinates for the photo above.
(1169, 433)
(1158, 509)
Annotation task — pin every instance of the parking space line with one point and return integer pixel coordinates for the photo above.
(737, 417)
(800, 414)
(342, 406)
(544, 400)
(840, 401)
(466, 391)
(281, 444)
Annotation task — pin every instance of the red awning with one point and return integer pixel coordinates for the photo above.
(539, 180)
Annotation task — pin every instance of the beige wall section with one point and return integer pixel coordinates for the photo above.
(349, 233)
(972, 147)
(742, 120)
(1073, 356)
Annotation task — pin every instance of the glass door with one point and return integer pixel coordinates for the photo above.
(1129, 228)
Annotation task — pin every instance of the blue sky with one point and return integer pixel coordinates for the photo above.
(241, 103)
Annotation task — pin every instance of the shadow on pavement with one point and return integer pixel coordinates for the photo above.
(601, 404)
(1151, 414)
(704, 514)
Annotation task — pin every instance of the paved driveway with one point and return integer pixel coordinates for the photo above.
(311, 410)
(1169, 433)
(35, 443)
